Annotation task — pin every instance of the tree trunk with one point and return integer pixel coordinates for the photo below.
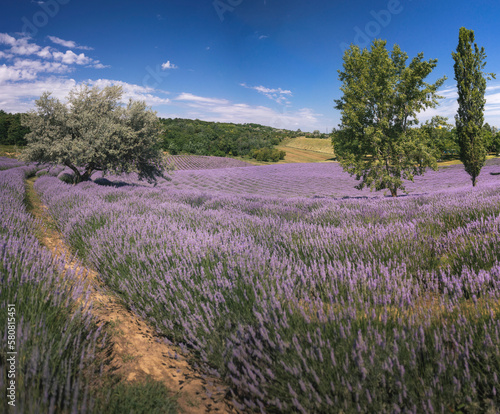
(87, 174)
(394, 192)
(78, 177)
(474, 180)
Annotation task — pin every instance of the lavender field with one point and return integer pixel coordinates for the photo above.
(304, 180)
(203, 162)
(300, 301)
(56, 337)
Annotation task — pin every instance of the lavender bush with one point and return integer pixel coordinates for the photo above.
(6, 163)
(308, 304)
(57, 340)
(203, 162)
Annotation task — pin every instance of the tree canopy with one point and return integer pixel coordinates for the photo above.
(94, 132)
(471, 85)
(382, 96)
(11, 130)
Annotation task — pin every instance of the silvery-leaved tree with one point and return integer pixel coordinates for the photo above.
(94, 132)
(381, 99)
(471, 85)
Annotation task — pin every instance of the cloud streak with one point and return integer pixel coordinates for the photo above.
(223, 110)
(70, 44)
(278, 95)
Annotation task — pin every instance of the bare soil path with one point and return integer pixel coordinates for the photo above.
(137, 351)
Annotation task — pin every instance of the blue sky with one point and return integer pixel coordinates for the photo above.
(272, 62)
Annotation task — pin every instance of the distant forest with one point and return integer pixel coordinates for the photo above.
(187, 136)
(11, 130)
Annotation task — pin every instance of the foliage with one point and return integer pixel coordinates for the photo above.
(12, 132)
(381, 99)
(491, 138)
(471, 84)
(268, 154)
(441, 136)
(217, 138)
(94, 133)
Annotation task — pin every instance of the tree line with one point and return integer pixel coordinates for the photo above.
(218, 138)
(12, 132)
(442, 137)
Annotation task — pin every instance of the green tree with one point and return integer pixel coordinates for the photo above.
(471, 84)
(5, 119)
(495, 146)
(93, 132)
(439, 134)
(381, 99)
(16, 134)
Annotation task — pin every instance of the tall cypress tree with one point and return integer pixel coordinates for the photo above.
(471, 84)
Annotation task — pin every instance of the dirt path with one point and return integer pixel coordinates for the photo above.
(137, 351)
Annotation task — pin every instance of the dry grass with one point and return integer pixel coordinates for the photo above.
(295, 155)
(310, 144)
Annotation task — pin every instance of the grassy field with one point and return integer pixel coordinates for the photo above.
(301, 150)
(310, 144)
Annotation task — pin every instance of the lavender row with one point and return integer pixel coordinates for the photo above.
(309, 305)
(202, 162)
(6, 163)
(56, 339)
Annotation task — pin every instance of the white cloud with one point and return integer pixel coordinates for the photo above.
(27, 69)
(168, 65)
(278, 95)
(8, 73)
(45, 53)
(262, 37)
(65, 43)
(5, 39)
(70, 58)
(70, 44)
(24, 78)
(133, 91)
(23, 47)
(200, 99)
(20, 96)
